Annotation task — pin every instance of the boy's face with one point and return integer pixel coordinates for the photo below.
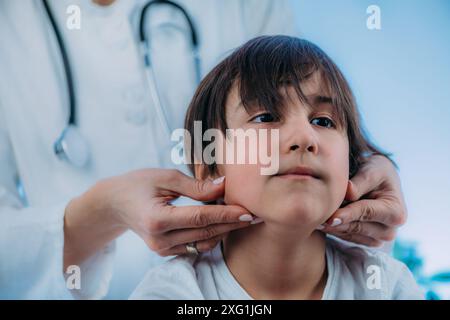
(309, 140)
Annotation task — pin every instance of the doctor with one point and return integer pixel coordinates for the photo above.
(54, 215)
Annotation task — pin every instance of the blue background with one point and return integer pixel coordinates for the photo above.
(400, 76)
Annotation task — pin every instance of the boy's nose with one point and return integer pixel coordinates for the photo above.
(299, 136)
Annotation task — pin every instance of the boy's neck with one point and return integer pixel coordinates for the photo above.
(270, 262)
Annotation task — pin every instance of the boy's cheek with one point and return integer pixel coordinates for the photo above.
(242, 184)
(339, 180)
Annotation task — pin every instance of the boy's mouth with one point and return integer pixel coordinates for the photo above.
(299, 172)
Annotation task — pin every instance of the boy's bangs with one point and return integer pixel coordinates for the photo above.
(265, 72)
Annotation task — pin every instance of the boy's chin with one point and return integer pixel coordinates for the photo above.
(299, 219)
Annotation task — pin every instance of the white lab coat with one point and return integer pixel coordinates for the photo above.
(115, 115)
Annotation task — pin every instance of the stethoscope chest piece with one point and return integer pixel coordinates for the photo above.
(72, 147)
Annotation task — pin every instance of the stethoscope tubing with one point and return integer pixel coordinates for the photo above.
(61, 146)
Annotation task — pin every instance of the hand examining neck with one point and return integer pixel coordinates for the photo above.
(270, 262)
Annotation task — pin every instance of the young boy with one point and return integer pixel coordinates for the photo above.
(289, 85)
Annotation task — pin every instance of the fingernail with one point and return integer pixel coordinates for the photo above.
(320, 227)
(219, 180)
(336, 222)
(246, 217)
(257, 220)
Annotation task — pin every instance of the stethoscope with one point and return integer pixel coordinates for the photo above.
(71, 146)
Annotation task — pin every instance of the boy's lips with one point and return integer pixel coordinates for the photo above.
(299, 172)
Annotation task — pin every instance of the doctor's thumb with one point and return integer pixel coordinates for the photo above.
(206, 190)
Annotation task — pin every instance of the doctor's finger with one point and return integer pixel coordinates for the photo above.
(381, 210)
(359, 239)
(377, 174)
(364, 182)
(174, 238)
(202, 246)
(373, 230)
(185, 217)
(201, 190)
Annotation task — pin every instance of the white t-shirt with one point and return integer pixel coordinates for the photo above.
(354, 272)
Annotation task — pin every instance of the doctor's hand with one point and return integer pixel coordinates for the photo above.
(376, 206)
(140, 201)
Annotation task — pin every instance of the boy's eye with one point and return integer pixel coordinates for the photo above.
(323, 122)
(265, 117)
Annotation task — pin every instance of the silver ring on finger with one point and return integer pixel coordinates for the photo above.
(191, 248)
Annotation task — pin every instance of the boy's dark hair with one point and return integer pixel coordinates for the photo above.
(260, 68)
